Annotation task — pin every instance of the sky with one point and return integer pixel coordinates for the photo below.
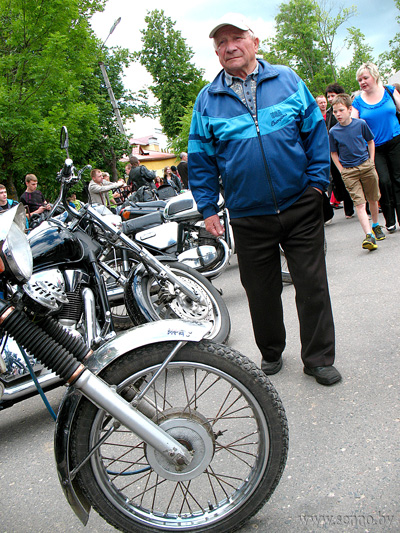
(195, 18)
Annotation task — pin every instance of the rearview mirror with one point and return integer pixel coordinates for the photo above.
(64, 141)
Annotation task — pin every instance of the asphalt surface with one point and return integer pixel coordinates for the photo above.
(342, 472)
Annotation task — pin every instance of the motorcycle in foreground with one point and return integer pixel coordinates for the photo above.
(159, 430)
(69, 256)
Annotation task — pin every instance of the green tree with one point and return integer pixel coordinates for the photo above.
(46, 50)
(49, 77)
(167, 58)
(328, 26)
(362, 52)
(304, 40)
(389, 61)
(297, 43)
(180, 142)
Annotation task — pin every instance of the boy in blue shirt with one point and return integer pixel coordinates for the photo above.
(353, 152)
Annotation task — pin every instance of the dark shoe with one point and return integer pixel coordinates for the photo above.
(379, 235)
(369, 243)
(270, 368)
(391, 229)
(325, 375)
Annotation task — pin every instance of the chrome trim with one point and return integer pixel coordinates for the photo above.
(13, 392)
(91, 324)
(73, 278)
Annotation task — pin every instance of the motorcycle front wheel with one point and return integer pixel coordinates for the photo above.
(220, 406)
(149, 297)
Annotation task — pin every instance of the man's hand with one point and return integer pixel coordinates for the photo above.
(213, 225)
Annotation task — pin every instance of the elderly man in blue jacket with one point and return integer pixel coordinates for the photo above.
(259, 128)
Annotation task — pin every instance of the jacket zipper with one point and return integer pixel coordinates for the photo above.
(266, 165)
(267, 172)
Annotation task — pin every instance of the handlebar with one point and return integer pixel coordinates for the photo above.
(68, 178)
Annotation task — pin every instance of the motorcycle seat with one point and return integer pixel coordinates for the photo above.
(153, 203)
(132, 226)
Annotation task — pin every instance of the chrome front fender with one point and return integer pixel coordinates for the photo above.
(144, 335)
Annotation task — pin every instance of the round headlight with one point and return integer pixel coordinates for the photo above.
(17, 254)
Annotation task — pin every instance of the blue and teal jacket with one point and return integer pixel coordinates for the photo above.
(265, 164)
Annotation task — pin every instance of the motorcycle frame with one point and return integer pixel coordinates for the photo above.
(173, 331)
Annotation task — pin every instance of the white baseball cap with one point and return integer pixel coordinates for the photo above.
(231, 19)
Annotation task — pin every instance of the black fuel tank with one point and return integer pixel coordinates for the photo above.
(55, 245)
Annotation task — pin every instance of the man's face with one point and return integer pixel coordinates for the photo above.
(236, 50)
(3, 197)
(31, 186)
(322, 104)
(331, 97)
(98, 177)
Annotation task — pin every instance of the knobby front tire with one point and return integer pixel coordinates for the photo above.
(221, 407)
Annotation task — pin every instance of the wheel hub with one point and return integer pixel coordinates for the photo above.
(184, 307)
(194, 432)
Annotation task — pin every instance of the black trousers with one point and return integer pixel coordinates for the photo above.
(387, 164)
(300, 232)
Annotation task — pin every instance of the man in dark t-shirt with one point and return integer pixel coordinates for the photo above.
(32, 198)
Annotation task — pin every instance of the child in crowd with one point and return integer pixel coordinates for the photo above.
(353, 152)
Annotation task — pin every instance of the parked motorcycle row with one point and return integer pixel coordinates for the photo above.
(161, 427)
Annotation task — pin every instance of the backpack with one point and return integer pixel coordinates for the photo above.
(143, 194)
(147, 174)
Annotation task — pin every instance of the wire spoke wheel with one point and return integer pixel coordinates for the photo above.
(150, 297)
(232, 436)
(118, 309)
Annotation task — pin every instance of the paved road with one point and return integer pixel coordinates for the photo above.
(342, 472)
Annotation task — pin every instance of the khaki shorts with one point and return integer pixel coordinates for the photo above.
(362, 182)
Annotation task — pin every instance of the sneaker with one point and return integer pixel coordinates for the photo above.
(379, 235)
(369, 243)
(391, 229)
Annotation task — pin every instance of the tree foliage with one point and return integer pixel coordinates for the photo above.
(362, 52)
(167, 58)
(389, 61)
(180, 142)
(304, 40)
(49, 77)
(46, 50)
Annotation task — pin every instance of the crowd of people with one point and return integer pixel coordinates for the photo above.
(257, 129)
(100, 190)
(365, 154)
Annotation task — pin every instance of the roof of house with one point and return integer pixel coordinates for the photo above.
(144, 154)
